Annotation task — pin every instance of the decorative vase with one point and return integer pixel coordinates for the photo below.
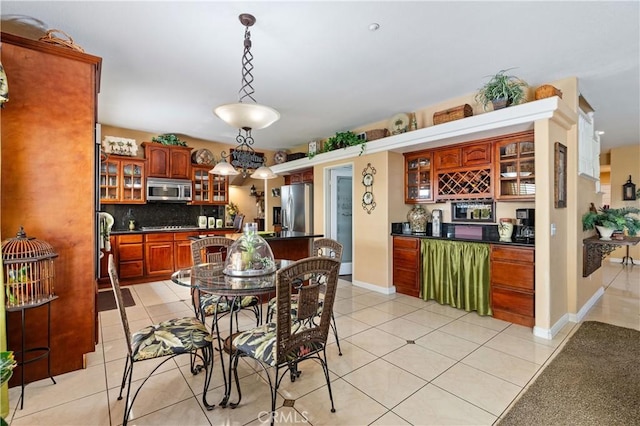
(505, 229)
(418, 218)
(605, 233)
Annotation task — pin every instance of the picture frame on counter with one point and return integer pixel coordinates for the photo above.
(560, 176)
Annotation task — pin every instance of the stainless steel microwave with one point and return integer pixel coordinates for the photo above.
(168, 190)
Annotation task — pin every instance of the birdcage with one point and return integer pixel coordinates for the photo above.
(28, 270)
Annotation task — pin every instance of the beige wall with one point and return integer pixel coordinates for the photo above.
(625, 161)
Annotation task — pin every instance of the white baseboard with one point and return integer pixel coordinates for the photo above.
(587, 306)
(549, 333)
(376, 288)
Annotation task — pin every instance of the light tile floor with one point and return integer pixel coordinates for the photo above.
(405, 361)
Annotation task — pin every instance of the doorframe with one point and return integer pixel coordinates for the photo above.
(327, 202)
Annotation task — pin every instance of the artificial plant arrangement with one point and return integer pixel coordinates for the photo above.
(169, 139)
(625, 218)
(502, 90)
(232, 209)
(342, 140)
(7, 364)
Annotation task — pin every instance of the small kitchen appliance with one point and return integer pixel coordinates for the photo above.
(436, 223)
(526, 222)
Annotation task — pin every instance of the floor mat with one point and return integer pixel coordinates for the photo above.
(107, 301)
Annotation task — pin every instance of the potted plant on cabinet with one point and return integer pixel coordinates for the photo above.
(342, 140)
(608, 220)
(502, 90)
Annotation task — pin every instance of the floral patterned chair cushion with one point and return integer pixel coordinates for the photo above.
(259, 343)
(208, 303)
(175, 336)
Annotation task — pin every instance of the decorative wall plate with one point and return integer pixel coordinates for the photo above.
(399, 123)
(280, 157)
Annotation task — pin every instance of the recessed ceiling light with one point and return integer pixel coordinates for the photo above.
(374, 27)
(600, 132)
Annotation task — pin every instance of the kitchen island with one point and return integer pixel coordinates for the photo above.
(153, 255)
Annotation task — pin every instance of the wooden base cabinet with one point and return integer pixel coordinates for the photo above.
(513, 284)
(406, 265)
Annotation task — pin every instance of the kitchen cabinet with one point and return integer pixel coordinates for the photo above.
(406, 265)
(48, 184)
(182, 249)
(208, 188)
(130, 258)
(513, 284)
(167, 161)
(158, 254)
(466, 155)
(515, 168)
(418, 177)
(122, 180)
(299, 176)
(463, 171)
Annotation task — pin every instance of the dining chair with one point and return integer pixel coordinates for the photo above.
(322, 247)
(167, 340)
(290, 340)
(237, 222)
(212, 249)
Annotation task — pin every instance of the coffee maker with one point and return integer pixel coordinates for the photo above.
(526, 224)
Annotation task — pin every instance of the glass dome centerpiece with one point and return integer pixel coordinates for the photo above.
(250, 255)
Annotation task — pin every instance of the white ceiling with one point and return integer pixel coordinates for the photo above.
(166, 64)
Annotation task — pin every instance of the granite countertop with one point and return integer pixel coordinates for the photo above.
(230, 232)
(486, 239)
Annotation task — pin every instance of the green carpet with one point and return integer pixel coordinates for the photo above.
(594, 380)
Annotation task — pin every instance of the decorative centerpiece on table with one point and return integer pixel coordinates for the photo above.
(249, 255)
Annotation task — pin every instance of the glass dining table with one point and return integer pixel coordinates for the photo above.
(209, 278)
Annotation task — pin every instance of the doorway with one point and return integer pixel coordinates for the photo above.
(340, 217)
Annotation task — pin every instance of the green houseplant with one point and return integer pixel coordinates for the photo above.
(169, 139)
(343, 140)
(621, 219)
(502, 90)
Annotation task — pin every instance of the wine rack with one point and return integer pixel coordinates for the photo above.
(464, 184)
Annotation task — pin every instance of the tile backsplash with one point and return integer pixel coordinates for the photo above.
(159, 214)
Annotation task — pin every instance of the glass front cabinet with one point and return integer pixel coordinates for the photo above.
(208, 188)
(122, 180)
(418, 177)
(515, 173)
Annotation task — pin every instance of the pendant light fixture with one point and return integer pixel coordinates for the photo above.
(246, 116)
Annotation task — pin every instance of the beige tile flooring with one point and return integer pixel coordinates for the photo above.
(405, 361)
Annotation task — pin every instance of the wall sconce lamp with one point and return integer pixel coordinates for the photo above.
(629, 190)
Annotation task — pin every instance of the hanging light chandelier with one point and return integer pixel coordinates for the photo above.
(246, 116)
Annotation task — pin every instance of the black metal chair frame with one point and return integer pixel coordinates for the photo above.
(315, 272)
(206, 357)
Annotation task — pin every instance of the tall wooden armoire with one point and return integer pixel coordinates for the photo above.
(48, 152)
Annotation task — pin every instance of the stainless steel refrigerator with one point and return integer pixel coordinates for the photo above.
(297, 207)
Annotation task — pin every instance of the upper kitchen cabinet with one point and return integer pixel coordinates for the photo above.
(418, 177)
(463, 171)
(167, 161)
(515, 171)
(299, 176)
(122, 180)
(49, 161)
(208, 188)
